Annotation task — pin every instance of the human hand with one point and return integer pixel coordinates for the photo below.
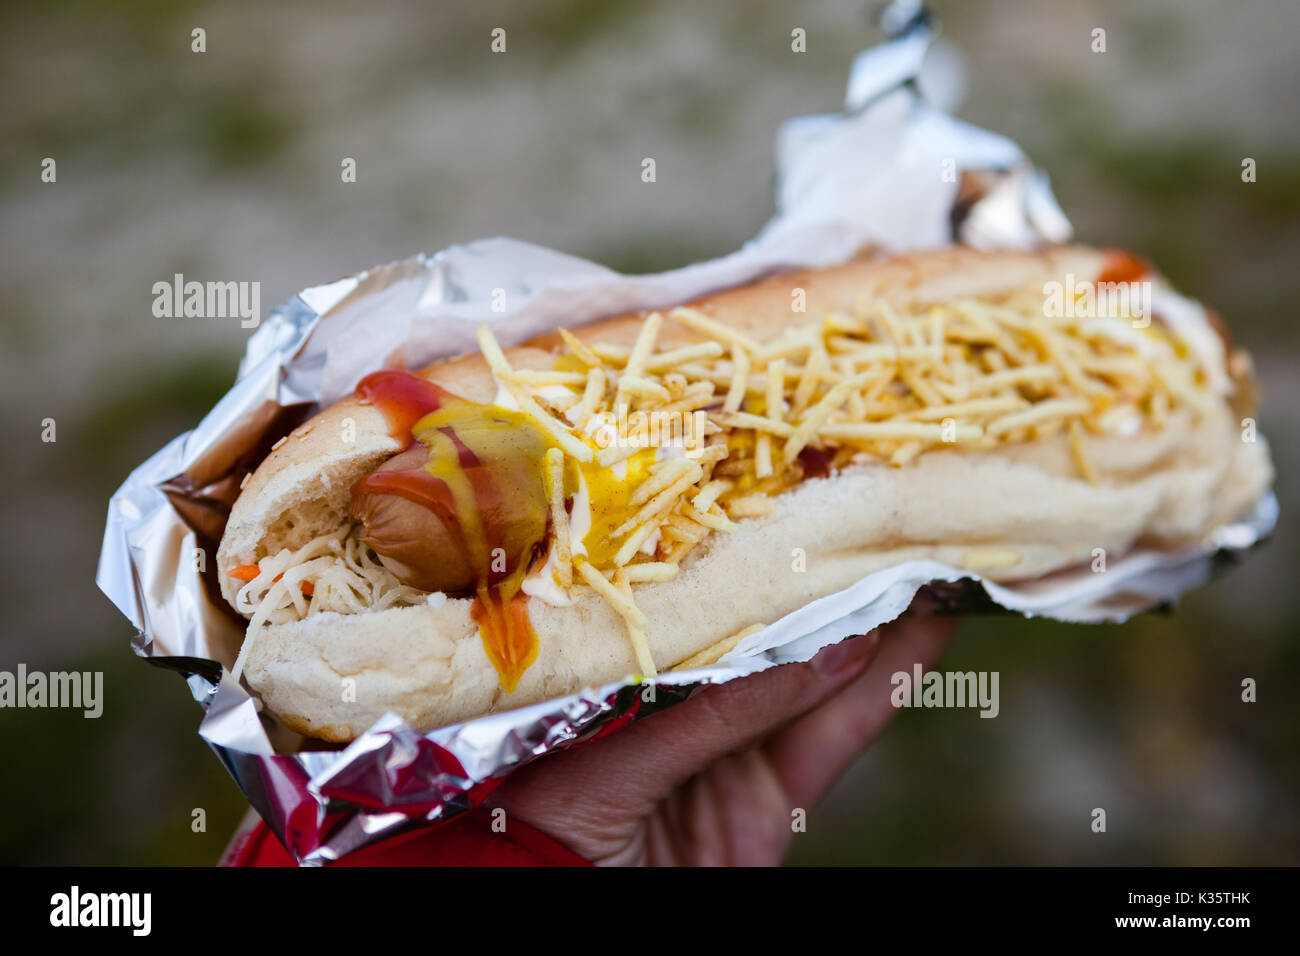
(715, 780)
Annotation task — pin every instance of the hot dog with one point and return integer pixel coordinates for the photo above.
(627, 496)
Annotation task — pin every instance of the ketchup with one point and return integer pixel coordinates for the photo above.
(403, 399)
(1121, 266)
(815, 461)
(482, 481)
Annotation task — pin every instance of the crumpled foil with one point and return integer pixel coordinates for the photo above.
(866, 176)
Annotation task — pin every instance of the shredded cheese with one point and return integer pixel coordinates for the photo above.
(559, 517)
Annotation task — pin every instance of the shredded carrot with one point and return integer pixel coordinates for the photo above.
(246, 572)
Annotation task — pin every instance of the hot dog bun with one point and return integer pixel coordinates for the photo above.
(1011, 513)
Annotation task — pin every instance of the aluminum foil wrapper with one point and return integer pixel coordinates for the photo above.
(865, 177)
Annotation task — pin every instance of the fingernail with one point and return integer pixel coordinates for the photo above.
(846, 656)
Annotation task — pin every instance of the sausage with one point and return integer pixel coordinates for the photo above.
(411, 540)
(465, 510)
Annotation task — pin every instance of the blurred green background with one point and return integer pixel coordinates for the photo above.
(225, 165)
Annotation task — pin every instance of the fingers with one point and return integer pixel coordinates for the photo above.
(627, 774)
(809, 756)
(733, 814)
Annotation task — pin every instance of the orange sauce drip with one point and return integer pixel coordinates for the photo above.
(508, 635)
